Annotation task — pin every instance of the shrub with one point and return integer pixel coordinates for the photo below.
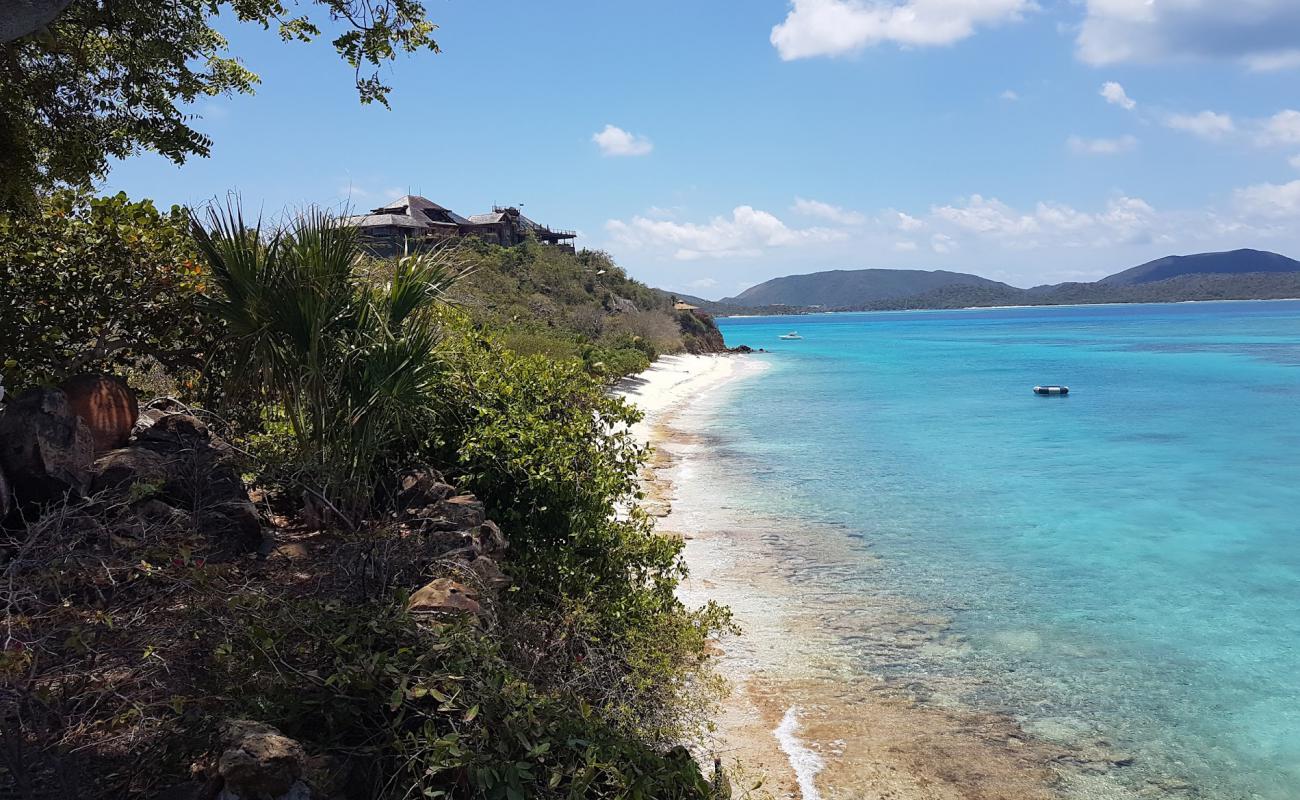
(98, 284)
(351, 366)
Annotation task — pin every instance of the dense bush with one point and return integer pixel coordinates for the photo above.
(347, 362)
(98, 284)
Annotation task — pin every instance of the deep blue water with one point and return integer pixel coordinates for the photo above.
(1122, 564)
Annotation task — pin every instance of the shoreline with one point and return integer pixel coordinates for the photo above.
(803, 712)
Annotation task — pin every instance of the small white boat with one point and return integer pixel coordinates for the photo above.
(791, 335)
(1058, 390)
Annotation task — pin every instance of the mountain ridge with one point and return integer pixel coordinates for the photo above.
(1243, 274)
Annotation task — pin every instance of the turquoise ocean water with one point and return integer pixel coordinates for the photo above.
(1122, 563)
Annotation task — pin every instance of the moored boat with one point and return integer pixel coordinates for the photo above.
(1046, 390)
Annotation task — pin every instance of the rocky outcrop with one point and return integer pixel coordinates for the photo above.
(445, 597)
(259, 763)
(175, 459)
(46, 450)
(107, 406)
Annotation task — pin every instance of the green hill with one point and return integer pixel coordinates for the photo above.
(577, 305)
(841, 288)
(1237, 262)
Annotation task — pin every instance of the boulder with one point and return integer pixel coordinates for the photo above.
(46, 450)
(186, 468)
(445, 597)
(422, 487)
(490, 540)
(462, 512)
(107, 406)
(127, 466)
(488, 573)
(257, 761)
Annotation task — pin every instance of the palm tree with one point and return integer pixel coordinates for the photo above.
(351, 363)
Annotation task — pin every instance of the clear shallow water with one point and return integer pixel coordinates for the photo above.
(1121, 564)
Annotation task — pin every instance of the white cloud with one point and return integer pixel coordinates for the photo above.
(826, 211)
(1207, 124)
(905, 246)
(942, 243)
(703, 283)
(904, 222)
(838, 27)
(1010, 95)
(746, 233)
(980, 215)
(1125, 219)
(1283, 129)
(1116, 96)
(1270, 200)
(1101, 147)
(1294, 161)
(614, 141)
(1260, 34)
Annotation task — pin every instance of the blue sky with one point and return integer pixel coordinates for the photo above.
(710, 146)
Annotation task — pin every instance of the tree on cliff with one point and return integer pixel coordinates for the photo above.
(100, 79)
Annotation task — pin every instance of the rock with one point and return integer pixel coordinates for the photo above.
(259, 762)
(487, 571)
(445, 596)
(461, 512)
(182, 464)
(422, 487)
(128, 466)
(175, 430)
(107, 406)
(156, 410)
(490, 539)
(621, 305)
(46, 450)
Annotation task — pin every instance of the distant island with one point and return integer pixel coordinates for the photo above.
(1235, 275)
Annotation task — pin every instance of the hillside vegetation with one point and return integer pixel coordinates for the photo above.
(547, 301)
(371, 548)
(836, 288)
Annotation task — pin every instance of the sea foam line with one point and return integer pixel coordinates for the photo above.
(803, 760)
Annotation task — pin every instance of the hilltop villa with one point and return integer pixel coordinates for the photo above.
(411, 220)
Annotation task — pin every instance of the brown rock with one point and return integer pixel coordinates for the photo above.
(258, 760)
(107, 406)
(445, 596)
(489, 573)
(459, 513)
(422, 487)
(46, 451)
(126, 466)
(491, 541)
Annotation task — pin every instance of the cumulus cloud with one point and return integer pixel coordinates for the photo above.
(614, 141)
(1270, 200)
(748, 232)
(826, 211)
(1101, 147)
(1116, 96)
(905, 246)
(1010, 95)
(1283, 129)
(1207, 124)
(1294, 161)
(1260, 34)
(703, 283)
(1124, 220)
(942, 243)
(904, 222)
(838, 27)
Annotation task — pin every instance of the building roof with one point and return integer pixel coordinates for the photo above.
(421, 210)
(384, 220)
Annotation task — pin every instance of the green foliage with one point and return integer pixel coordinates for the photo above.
(93, 284)
(433, 712)
(351, 365)
(106, 79)
(546, 300)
